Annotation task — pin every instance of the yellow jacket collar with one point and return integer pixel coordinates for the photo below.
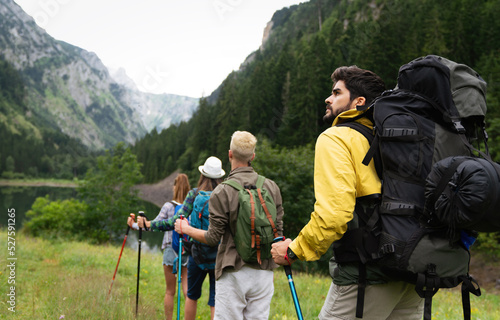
(348, 115)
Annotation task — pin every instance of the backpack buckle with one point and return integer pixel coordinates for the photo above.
(431, 270)
(388, 248)
(458, 126)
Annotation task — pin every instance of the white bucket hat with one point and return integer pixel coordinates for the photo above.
(212, 168)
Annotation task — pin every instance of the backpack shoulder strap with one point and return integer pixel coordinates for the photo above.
(233, 183)
(260, 182)
(372, 140)
(364, 130)
(176, 205)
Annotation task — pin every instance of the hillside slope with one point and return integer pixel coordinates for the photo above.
(74, 92)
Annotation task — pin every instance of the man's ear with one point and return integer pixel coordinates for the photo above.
(230, 154)
(360, 101)
(253, 157)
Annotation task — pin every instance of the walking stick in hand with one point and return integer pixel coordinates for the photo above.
(179, 268)
(119, 257)
(288, 272)
(141, 213)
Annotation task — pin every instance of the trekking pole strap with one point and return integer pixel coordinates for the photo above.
(147, 219)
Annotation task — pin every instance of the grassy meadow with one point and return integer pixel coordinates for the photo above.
(71, 280)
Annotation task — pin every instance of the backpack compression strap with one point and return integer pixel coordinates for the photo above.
(469, 285)
(255, 239)
(268, 215)
(259, 185)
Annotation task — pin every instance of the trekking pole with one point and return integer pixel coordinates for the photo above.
(288, 272)
(141, 213)
(179, 268)
(119, 257)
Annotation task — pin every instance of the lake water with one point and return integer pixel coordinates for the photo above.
(22, 198)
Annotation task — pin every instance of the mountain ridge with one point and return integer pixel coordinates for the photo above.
(74, 92)
(154, 108)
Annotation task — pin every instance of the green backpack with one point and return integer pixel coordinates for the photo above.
(256, 223)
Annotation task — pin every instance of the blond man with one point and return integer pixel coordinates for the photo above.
(243, 290)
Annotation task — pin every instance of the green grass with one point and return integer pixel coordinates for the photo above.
(72, 279)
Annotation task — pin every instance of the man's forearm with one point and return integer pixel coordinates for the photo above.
(196, 234)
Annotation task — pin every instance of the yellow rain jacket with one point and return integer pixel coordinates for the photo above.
(339, 178)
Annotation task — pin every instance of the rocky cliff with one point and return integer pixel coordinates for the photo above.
(71, 89)
(156, 110)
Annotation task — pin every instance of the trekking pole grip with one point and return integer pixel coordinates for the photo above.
(141, 213)
(282, 238)
(182, 218)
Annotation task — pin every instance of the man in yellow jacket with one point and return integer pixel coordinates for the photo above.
(340, 179)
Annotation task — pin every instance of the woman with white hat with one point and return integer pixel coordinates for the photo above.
(210, 177)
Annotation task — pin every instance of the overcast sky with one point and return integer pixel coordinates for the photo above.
(185, 47)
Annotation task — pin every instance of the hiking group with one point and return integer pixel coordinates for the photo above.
(391, 179)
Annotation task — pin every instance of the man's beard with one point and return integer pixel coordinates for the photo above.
(330, 117)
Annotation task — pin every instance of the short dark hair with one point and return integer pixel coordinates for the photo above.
(360, 82)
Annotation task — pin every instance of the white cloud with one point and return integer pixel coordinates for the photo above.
(173, 46)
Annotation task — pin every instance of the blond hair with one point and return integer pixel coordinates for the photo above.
(243, 145)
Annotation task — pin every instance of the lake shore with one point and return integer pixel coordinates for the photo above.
(38, 183)
(157, 193)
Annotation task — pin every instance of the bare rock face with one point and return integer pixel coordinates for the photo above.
(74, 90)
